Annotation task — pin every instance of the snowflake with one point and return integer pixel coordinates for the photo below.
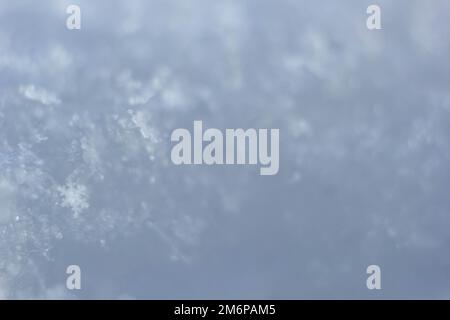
(75, 197)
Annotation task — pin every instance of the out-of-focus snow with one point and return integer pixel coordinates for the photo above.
(85, 171)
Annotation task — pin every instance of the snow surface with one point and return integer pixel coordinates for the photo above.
(85, 171)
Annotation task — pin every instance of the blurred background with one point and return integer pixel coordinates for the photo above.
(85, 171)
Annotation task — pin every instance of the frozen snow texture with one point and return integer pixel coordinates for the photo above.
(86, 178)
